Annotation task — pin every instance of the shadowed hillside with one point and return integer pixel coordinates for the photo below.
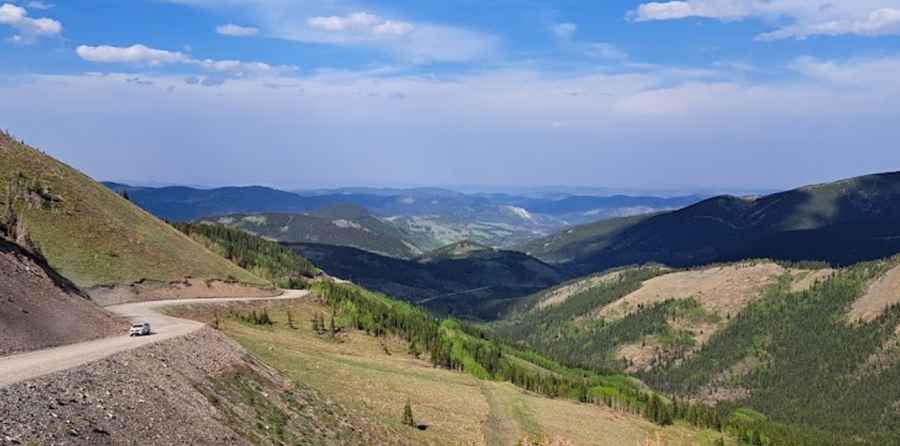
(480, 283)
(841, 223)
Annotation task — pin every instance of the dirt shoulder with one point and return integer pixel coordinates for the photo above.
(145, 291)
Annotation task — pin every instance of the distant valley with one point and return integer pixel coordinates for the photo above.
(428, 218)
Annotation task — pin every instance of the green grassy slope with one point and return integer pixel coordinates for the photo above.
(93, 236)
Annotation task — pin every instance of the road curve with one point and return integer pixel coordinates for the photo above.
(25, 366)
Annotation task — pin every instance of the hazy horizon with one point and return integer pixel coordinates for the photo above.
(628, 94)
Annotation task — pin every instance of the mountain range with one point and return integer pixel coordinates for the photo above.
(841, 223)
(431, 217)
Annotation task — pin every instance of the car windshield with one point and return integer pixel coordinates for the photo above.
(137, 326)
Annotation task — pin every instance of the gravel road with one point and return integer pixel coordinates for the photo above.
(25, 366)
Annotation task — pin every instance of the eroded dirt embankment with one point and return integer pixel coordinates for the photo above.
(197, 389)
(41, 309)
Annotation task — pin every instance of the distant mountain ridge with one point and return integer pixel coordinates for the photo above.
(431, 217)
(186, 203)
(843, 222)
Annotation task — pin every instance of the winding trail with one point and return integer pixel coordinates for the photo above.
(25, 366)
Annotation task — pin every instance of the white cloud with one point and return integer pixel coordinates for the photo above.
(361, 25)
(237, 30)
(564, 30)
(28, 29)
(145, 56)
(135, 54)
(792, 18)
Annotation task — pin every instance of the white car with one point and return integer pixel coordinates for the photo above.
(141, 329)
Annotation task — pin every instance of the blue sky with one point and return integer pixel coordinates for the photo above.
(680, 94)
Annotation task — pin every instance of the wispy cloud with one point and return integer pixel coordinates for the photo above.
(34, 4)
(142, 55)
(805, 18)
(338, 22)
(564, 30)
(237, 30)
(28, 29)
(597, 123)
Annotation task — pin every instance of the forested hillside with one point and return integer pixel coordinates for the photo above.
(812, 348)
(480, 284)
(265, 258)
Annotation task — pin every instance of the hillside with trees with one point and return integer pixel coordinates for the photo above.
(791, 351)
(480, 284)
(264, 258)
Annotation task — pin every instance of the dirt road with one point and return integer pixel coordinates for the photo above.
(21, 367)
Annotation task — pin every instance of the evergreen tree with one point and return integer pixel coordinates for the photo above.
(408, 415)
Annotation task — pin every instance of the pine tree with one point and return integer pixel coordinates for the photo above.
(290, 320)
(408, 415)
(331, 327)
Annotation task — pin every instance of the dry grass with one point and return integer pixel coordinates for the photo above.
(640, 353)
(881, 294)
(720, 290)
(357, 372)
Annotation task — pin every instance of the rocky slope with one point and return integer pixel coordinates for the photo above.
(199, 389)
(40, 309)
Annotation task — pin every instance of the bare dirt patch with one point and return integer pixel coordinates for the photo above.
(40, 309)
(881, 294)
(186, 289)
(720, 290)
(640, 355)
